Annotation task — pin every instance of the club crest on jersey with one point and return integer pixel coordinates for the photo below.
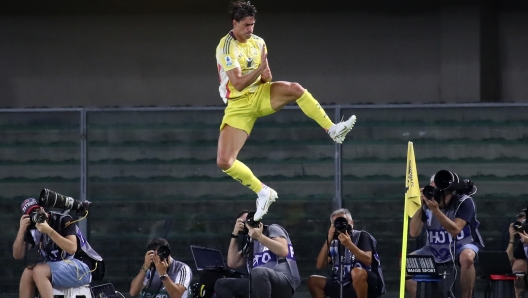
(249, 62)
(228, 61)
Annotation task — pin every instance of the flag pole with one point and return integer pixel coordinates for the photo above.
(404, 250)
(411, 206)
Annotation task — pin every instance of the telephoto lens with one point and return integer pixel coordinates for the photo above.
(49, 198)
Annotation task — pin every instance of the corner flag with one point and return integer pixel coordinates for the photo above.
(412, 203)
(412, 187)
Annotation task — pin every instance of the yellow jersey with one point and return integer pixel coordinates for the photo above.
(231, 54)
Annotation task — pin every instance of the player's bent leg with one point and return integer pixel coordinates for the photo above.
(230, 142)
(282, 93)
(27, 285)
(316, 285)
(467, 272)
(359, 282)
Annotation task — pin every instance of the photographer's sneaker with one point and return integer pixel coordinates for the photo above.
(338, 131)
(266, 197)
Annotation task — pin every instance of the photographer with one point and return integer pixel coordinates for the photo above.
(517, 247)
(361, 276)
(450, 218)
(68, 258)
(161, 275)
(268, 254)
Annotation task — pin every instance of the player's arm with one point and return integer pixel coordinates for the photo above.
(241, 82)
(266, 74)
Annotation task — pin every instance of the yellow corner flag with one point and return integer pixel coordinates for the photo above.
(412, 187)
(412, 203)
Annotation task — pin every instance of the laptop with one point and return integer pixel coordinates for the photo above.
(495, 262)
(103, 291)
(207, 258)
(421, 265)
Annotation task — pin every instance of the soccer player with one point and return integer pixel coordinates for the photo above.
(246, 87)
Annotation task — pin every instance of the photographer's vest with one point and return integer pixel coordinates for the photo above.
(178, 272)
(264, 257)
(49, 247)
(440, 241)
(351, 262)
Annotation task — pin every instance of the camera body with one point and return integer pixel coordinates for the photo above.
(341, 225)
(447, 180)
(250, 221)
(37, 216)
(520, 226)
(163, 252)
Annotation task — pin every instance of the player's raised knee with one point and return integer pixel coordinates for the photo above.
(224, 162)
(296, 90)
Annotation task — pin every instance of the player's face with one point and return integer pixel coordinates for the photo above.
(244, 28)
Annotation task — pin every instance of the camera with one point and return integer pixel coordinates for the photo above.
(341, 225)
(163, 252)
(520, 226)
(447, 180)
(37, 216)
(49, 198)
(250, 221)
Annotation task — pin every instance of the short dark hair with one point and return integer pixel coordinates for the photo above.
(241, 9)
(241, 213)
(156, 243)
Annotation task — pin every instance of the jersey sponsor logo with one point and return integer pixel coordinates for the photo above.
(228, 61)
(249, 61)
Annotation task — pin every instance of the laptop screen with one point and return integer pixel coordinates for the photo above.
(495, 262)
(104, 291)
(207, 258)
(421, 265)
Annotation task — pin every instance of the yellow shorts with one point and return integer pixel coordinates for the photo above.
(242, 113)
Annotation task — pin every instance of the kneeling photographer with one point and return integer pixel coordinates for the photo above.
(67, 258)
(161, 275)
(268, 254)
(517, 251)
(356, 267)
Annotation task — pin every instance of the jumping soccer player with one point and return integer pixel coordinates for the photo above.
(246, 87)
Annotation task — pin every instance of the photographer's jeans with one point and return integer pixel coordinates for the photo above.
(69, 273)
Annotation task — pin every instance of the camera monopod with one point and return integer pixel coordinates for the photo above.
(342, 260)
(248, 252)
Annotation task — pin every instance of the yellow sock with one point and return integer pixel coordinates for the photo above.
(310, 106)
(241, 173)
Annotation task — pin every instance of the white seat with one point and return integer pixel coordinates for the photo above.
(80, 292)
